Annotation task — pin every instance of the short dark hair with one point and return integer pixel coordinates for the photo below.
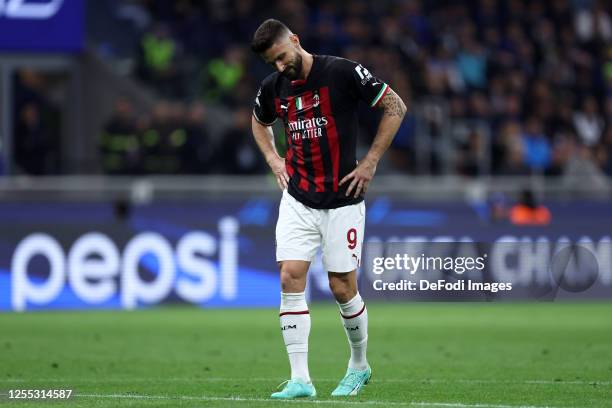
(267, 34)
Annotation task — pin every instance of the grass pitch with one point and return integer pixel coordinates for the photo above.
(422, 355)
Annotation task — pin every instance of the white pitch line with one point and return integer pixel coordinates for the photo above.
(306, 401)
(272, 379)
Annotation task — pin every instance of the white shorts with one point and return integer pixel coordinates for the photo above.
(301, 230)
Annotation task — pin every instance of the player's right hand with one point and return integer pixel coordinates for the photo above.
(280, 171)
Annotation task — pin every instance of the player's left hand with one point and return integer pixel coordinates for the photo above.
(362, 175)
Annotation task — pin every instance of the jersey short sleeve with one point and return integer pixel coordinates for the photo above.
(263, 106)
(363, 84)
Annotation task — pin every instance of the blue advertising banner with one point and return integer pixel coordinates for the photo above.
(220, 253)
(42, 25)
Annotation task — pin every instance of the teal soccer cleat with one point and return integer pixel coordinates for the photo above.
(353, 382)
(295, 389)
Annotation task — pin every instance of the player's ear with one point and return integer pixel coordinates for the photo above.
(295, 40)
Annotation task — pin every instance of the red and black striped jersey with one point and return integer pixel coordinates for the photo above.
(321, 125)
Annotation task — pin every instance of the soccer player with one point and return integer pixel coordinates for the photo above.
(323, 186)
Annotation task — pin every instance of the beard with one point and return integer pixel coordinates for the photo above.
(294, 68)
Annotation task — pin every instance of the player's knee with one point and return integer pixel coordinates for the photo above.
(342, 290)
(291, 278)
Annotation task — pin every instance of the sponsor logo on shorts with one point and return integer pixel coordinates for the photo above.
(356, 260)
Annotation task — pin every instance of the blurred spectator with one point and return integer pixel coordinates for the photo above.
(562, 150)
(33, 146)
(471, 59)
(594, 24)
(238, 153)
(135, 12)
(581, 169)
(470, 160)
(36, 124)
(164, 139)
(588, 123)
(442, 73)
(536, 145)
(509, 151)
(220, 77)
(158, 62)
(528, 212)
(498, 210)
(120, 145)
(603, 153)
(197, 155)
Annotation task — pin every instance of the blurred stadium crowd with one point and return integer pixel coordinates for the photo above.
(507, 87)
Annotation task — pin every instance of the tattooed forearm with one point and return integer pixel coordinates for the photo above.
(392, 104)
(394, 111)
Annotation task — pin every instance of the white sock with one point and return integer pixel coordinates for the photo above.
(295, 326)
(355, 321)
